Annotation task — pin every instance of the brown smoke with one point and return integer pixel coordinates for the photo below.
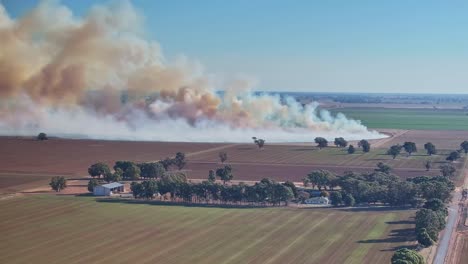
(102, 65)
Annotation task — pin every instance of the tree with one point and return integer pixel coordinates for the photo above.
(365, 145)
(430, 148)
(436, 205)
(453, 156)
(407, 256)
(259, 142)
(149, 189)
(447, 170)
(340, 142)
(351, 149)
(410, 147)
(348, 200)
(98, 169)
(222, 156)
(167, 163)
(319, 178)
(428, 165)
(424, 238)
(225, 174)
(382, 167)
(92, 183)
(464, 146)
(137, 189)
(430, 220)
(132, 172)
(336, 198)
(152, 170)
(211, 176)
(123, 164)
(321, 142)
(394, 151)
(293, 187)
(58, 183)
(42, 136)
(179, 160)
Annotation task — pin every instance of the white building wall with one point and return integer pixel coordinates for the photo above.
(101, 191)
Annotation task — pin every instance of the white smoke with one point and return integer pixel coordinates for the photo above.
(67, 76)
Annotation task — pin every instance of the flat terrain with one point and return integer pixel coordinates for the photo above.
(26, 160)
(67, 229)
(420, 119)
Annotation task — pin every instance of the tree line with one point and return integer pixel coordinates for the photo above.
(429, 147)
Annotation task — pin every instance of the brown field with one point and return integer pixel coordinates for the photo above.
(442, 139)
(25, 160)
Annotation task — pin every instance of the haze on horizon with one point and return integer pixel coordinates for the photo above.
(316, 46)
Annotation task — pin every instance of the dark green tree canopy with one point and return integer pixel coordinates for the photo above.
(410, 147)
(430, 148)
(98, 169)
(365, 145)
(42, 136)
(394, 151)
(321, 142)
(447, 170)
(453, 156)
(259, 142)
(92, 183)
(464, 146)
(180, 160)
(222, 156)
(340, 142)
(152, 170)
(225, 173)
(132, 172)
(58, 183)
(384, 168)
(351, 149)
(407, 256)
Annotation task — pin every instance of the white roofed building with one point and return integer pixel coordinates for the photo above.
(108, 189)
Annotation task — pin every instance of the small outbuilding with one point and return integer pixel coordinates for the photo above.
(108, 189)
(317, 200)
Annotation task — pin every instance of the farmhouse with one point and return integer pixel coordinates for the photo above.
(317, 200)
(108, 189)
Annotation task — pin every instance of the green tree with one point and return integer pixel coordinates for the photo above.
(259, 142)
(293, 187)
(410, 147)
(407, 256)
(430, 148)
(149, 189)
(167, 163)
(222, 156)
(58, 183)
(98, 169)
(348, 200)
(319, 178)
(42, 136)
(436, 205)
(464, 146)
(365, 145)
(453, 156)
(340, 142)
(351, 149)
(180, 160)
(123, 164)
(384, 168)
(211, 176)
(394, 151)
(424, 238)
(225, 174)
(321, 142)
(132, 172)
(152, 170)
(91, 184)
(137, 189)
(447, 170)
(336, 198)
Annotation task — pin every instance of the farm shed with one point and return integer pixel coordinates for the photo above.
(317, 200)
(108, 189)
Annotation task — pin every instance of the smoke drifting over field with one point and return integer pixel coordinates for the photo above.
(98, 77)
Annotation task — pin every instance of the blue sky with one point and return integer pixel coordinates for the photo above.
(307, 45)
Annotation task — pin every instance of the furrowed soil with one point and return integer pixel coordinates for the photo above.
(68, 229)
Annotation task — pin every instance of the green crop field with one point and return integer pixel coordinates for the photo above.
(68, 229)
(425, 119)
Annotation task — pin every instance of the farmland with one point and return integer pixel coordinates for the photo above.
(420, 119)
(81, 229)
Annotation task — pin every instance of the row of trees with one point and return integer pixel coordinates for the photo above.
(430, 220)
(176, 188)
(342, 143)
(129, 170)
(410, 147)
(380, 186)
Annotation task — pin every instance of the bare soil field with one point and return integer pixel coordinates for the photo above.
(25, 160)
(442, 139)
(69, 229)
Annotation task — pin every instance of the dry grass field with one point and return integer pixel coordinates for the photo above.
(69, 229)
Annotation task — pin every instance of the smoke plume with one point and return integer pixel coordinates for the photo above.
(98, 77)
